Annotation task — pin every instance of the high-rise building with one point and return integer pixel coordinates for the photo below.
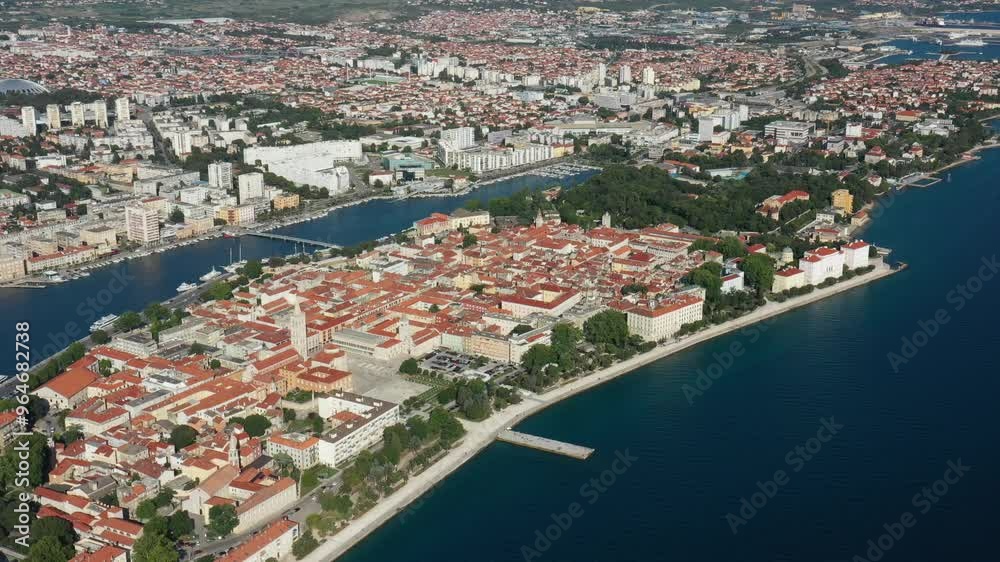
(122, 109)
(648, 76)
(602, 73)
(251, 186)
(52, 117)
(77, 114)
(29, 120)
(220, 174)
(706, 128)
(460, 137)
(142, 223)
(100, 111)
(625, 74)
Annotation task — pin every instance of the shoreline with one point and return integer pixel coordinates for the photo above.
(480, 435)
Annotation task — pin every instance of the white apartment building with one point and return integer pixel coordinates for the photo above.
(485, 159)
(220, 174)
(856, 254)
(625, 74)
(460, 137)
(251, 186)
(29, 120)
(11, 128)
(657, 320)
(122, 109)
(100, 110)
(142, 223)
(359, 423)
(648, 76)
(77, 114)
(821, 264)
(52, 117)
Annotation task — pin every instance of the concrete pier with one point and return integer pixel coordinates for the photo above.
(544, 444)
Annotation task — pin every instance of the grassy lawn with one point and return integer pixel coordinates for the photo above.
(311, 477)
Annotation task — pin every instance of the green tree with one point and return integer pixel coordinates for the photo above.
(182, 436)
(708, 276)
(253, 269)
(609, 327)
(176, 216)
(409, 366)
(256, 425)
(154, 547)
(145, 510)
(759, 271)
(49, 549)
(469, 240)
(304, 545)
(222, 519)
(39, 460)
(128, 321)
(100, 337)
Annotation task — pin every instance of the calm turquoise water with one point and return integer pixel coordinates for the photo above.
(64, 313)
(696, 461)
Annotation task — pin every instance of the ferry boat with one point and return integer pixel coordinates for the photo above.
(103, 322)
(185, 287)
(971, 43)
(211, 275)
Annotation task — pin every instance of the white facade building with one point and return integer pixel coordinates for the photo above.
(657, 320)
(821, 264)
(856, 254)
(459, 138)
(251, 186)
(360, 421)
(29, 120)
(123, 109)
(220, 174)
(142, 224)
(309, 164)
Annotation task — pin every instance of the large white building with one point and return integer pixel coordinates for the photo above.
(142, 223)
(312, 164)
(459, 138)
(358, 424)
(485, 159)
(789, 132)
(625, 74)
(29, 120)
(11, 128)
(123, 109)
(251, 186)
(220, 174)
(656, 320)
(821, 264)
(856, 254)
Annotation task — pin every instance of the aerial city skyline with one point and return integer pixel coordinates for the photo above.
(305, 281)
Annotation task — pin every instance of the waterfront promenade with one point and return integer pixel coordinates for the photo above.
(482, 434)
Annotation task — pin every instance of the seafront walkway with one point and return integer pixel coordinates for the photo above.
(482, 434)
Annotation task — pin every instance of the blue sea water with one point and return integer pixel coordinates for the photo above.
(63, 313)
(697, 456)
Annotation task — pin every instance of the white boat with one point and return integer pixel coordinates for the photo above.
(103, 322)
(971, 43)
(185, 287)
(211, 275)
